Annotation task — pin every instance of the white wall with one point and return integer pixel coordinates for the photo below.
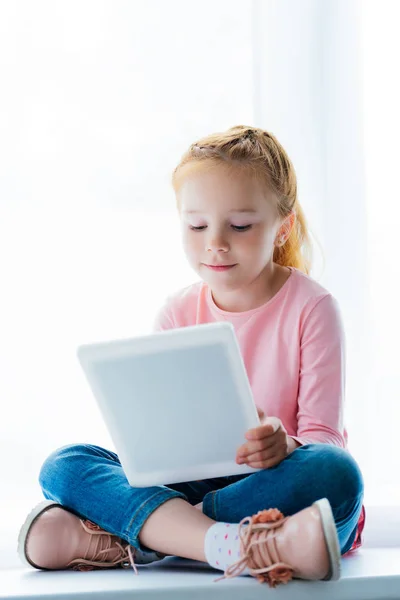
(98, 102)
(328, 88)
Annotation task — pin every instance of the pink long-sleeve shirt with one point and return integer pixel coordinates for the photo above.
(293, 351)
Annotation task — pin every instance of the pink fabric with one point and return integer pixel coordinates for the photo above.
(293, 351)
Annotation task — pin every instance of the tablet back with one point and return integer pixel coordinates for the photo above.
(177, 403)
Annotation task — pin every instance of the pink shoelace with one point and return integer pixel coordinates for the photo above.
(258, 548)
(103, 545)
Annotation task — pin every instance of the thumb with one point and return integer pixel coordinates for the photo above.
(261, 413)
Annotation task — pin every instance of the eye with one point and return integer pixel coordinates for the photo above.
(234, 227)
(241, 227)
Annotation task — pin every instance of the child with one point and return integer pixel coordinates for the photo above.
(244, 233)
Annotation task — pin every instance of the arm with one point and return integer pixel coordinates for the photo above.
(320, 394)
(322, 377)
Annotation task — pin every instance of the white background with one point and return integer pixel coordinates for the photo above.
(98, 101)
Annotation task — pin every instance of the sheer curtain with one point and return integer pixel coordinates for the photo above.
(381, 101)
(99, 100)
(326, 82)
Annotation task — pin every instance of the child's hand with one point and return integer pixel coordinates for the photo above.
(268, 444)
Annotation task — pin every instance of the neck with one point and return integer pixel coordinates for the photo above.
(255, 294)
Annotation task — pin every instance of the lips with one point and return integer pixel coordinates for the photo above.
(219, 267)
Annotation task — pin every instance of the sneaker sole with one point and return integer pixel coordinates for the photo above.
(24, 531)
(331, 539)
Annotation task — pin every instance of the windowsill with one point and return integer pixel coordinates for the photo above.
(371, 574)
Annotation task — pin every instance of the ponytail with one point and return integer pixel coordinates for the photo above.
(297, 250)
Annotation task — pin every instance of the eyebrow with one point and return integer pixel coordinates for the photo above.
(239, 210)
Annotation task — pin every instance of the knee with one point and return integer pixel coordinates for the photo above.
(53, 467)
(339, 472)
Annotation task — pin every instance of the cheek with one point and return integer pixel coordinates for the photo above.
(191, 244)
(268, 237)
(259, 242)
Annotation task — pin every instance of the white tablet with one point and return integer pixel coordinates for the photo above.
(177, 403)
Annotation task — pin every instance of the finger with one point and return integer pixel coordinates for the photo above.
(265, 464)
(256, 446)
(263, 444)
(260, 432)
(268, 428)
(276, 445)
(261, 456)
(261, 413)
(278, 450)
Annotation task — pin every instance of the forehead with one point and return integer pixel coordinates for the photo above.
(221, 190)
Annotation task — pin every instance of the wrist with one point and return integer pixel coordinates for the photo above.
(292, 444)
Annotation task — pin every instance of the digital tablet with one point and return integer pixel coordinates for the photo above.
(177, 403)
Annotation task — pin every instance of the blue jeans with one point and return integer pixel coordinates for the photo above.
(90, 482)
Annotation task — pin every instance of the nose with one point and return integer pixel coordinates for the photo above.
(217, 243)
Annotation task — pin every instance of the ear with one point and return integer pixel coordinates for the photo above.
(285, 229)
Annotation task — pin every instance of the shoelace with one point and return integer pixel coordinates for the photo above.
(258, 548)
(257, 544)
(104, 544)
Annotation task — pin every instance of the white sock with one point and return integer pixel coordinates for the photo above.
(222, 546)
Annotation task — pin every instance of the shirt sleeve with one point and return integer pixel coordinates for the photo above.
(164, 319)
(322, 376)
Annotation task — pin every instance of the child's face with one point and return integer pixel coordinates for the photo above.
(227, 220)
